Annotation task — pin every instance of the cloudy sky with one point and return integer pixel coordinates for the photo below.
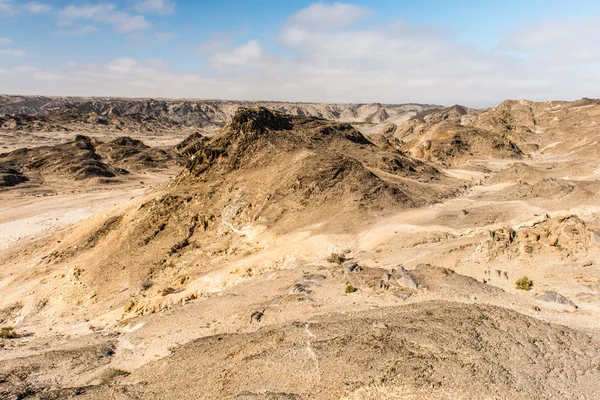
(475, 53)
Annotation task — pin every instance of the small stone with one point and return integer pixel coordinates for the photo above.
(256, 316)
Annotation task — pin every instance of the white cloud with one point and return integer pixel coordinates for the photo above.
(104, 13)
(5, 40)
(164, 36)
(152, 38)
(329, 16)
(37, 8)
(7, 8)
(122, 65)
(83, 30)
(309, 60)
(558, 42)
(217, 41)
(12, 52)
(162, 7)
(248, 55)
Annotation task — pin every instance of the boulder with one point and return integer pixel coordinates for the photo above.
(596, 238)
(310, 279)
(400, 270)
(557, 301)
(407, 281)
(298, 289)
(350, 266)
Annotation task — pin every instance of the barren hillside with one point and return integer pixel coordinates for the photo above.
(449, 254)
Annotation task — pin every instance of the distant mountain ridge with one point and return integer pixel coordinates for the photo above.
(198, 113)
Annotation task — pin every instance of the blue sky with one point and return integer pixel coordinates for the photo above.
(469, 52)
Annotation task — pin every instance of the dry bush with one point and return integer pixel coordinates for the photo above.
(350, 289)
(110, 374)
(8, 332)
(166, 291)
(524, 283)
(336, 258)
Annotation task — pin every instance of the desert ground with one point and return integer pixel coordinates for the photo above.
(162, 249)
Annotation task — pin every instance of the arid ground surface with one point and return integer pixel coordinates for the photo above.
(156, 249)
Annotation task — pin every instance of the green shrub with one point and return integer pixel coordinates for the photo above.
(336, 258)
(350, 289)
(524, 283)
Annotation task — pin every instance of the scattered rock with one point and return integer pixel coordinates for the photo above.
(557, 301)
(297, 289)
(464, 213)
(386, 277)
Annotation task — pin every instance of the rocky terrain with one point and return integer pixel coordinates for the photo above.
(301, 252)
(55, 113)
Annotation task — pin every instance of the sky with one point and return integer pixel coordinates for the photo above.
(474, 53)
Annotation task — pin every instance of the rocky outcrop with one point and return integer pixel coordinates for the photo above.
(557, 301)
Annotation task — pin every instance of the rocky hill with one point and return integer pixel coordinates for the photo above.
(265, 173)
(448, 136)
(189, 113)
(82, 158)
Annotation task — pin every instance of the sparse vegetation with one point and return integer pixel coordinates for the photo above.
(336, 258)
(145, 284)
(8, 332)
(350, 289)
(110, 374)
(166, 291)
(524, 283)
